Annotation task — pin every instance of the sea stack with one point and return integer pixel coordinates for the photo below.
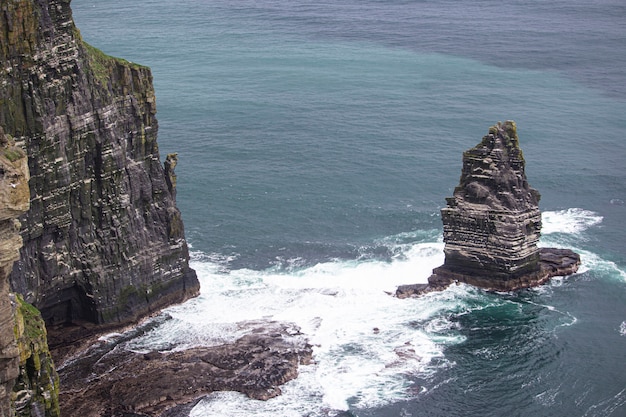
(492, 223)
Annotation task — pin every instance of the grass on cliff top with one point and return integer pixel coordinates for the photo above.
(101, 63)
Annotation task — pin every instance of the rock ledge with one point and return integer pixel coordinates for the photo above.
(110, 379)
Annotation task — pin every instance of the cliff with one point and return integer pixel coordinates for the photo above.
(36, 390)
(14, 198)
(29, 384)
(103, 239)
(492, 224)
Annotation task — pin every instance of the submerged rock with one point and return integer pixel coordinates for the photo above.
(492, 223)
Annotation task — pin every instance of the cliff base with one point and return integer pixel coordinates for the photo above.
(553, 262)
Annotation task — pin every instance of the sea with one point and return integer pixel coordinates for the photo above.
(317, 142)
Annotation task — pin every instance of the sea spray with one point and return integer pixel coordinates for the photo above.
(370, 348)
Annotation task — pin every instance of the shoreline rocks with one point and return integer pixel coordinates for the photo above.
(109, 379)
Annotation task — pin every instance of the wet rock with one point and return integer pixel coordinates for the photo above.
(114, 381)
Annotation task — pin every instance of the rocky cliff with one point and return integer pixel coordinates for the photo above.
(492, 224)
(14, 198)
(103, 239)
(36, 390)
(29, 384)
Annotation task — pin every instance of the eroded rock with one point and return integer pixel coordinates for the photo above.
(492, 224)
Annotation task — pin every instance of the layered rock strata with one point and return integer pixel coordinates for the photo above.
(109, 379)
(14, 199)
(103, 239)
(492, 224)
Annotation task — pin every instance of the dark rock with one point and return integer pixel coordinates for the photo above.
(103, 240)
(492, 224)
(409, 290)
(109, 380)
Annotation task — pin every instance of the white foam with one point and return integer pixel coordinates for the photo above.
(366, 344)
(571, 221)
(593, 262)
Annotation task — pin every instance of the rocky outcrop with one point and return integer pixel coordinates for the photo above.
(111, 380)
(103, 239)
(492, 224)
(36, 390)
(14, 201)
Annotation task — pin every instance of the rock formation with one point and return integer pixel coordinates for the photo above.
(36, 391)
(103, 239)
(492, 224)
(14, 198)
(29, 384)
(111, 380)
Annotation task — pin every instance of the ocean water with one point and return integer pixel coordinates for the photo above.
(317, 142)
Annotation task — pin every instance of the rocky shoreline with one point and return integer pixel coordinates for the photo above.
(553, 262)
(109, 379)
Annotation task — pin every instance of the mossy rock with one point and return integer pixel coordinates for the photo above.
(37, 386)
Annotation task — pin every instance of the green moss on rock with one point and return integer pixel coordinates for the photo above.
(36, 391)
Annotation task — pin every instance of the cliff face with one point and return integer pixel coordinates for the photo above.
(492, 224)
(36, 390)
(29, 384)
(103, 239)
(14, 198)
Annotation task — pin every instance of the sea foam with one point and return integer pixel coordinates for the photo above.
(369, 346)
(572, 221)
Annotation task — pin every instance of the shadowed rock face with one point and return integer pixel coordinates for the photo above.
(492, 224)
(103, 240)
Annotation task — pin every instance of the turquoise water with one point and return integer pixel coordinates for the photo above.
(317, 142)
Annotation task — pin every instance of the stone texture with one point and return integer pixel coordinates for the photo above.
(103, 239)
(28, 381)
(14, 201)
(109, 380)
(492, 224)
(36, 391)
